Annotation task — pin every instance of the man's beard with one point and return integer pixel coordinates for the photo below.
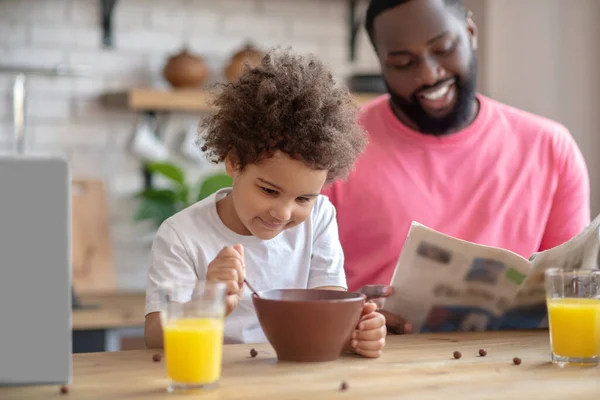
(459, 117)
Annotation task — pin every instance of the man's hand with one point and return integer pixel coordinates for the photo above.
(228, 266)
(395, 323)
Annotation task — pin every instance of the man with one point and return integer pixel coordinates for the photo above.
(448, 157)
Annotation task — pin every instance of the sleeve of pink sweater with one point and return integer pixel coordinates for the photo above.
(570, 212)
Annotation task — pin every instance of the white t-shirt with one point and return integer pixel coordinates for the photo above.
(308, 255)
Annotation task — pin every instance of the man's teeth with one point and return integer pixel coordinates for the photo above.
(438, 94)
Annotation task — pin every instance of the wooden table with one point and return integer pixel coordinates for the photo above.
(413, 367)
(106, 319)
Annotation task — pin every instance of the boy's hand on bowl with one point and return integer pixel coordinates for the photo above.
(228, 267)
(395, 323)
(368, 339)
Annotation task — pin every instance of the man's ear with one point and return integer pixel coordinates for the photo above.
(232, 165)
(472, 30)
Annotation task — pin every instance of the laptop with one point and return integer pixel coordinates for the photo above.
(35, 271)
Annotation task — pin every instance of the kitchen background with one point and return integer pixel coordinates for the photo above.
(540, 55)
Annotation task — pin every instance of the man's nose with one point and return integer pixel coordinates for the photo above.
(429, 72)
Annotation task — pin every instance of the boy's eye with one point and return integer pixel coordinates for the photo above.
(269, 191)
(303, 199)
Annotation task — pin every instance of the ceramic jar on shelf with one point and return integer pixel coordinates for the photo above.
(186, 70)
(248, 54)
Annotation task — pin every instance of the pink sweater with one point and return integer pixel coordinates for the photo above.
(511, 179)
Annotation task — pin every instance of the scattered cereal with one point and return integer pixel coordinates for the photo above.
(516, 361)
(457, 354)
(344, 386)
(64, 389)
(482, 352)
(253, 353)
(156, 357)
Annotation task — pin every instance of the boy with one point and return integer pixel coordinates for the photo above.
(283, 130)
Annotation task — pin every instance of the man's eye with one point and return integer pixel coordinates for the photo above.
(447, 49)
(402, 66)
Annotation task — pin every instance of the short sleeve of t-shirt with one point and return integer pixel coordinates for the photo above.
(170, 261)
(327, 260)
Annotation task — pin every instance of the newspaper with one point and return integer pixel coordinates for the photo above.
(444, 284)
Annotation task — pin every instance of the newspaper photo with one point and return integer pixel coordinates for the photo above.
(445, 284)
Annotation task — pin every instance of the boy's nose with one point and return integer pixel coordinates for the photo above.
(281, 214)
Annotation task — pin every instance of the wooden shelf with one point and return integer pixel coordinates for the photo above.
(111, 310)
(187, 100)
(175, 100)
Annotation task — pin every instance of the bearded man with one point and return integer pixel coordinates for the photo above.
(444, 155)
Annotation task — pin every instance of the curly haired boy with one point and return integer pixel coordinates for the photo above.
(283, 130)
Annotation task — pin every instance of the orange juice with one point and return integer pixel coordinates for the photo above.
(193, 350)
(574, 327)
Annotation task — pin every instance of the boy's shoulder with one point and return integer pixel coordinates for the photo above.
(323, 209)
(195, 219)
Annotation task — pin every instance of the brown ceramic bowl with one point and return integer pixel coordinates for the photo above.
(308, 324)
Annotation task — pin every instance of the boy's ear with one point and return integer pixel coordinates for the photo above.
(231, 165)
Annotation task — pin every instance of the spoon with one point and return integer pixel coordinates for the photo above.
(251, 288)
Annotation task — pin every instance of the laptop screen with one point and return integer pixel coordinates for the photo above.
(35, 271)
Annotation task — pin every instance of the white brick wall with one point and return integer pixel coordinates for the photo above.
(34, 11)
(65, 37)
(65, 115)
(30, 55)
(5, 108)
(12, 33)
(84, 135)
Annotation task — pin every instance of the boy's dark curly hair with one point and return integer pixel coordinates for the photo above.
(289, 103)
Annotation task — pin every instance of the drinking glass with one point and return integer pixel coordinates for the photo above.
(192, 319)
(573, 301)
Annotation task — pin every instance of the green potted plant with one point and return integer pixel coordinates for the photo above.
(157, 205)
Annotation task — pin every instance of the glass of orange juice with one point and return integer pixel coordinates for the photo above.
(573, 301)
(192, 319)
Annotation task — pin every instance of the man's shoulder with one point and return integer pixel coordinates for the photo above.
(378, 101)
(375, 110)
(522, 121)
